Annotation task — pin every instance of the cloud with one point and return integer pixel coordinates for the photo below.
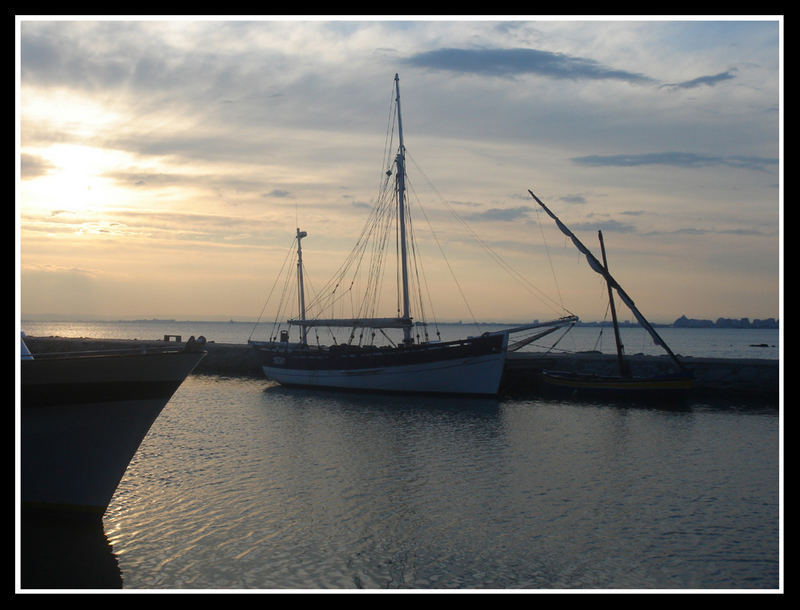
(572, 199)
(696, 231)
(33, 166)
(48, 58)
(502, 214)
(218, 183)
(676, 159)
(510, 62)
(280, 193)
(709, 81)
(609, 226)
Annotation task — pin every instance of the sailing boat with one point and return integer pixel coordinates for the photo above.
(469, 366)
(624, 383)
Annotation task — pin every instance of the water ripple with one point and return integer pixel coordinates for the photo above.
(238, 487)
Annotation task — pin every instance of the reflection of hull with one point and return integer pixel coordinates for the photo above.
(471, 366)
(663, 385)
(83, 418)
(66, 554)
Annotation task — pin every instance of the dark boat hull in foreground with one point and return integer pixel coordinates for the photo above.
(471, 366)
(83, 417)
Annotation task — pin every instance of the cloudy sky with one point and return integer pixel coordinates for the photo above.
(165, 165)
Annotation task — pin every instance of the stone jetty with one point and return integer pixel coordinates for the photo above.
(750, 378)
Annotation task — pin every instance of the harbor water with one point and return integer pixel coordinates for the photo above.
(696, 342)
(242, 484)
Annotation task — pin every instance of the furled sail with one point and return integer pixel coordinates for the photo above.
(597, 266)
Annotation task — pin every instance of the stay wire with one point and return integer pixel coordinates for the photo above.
(559, 308)
(449, 267)
(272, 289)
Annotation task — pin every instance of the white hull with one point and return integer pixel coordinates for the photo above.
(479, 375)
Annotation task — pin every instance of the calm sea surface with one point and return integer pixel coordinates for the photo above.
(713, 343)
(242, 484)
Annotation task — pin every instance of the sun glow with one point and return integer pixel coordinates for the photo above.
(73, 179)
(65, 165)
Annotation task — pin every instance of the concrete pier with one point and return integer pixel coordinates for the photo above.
(740, 378)
(714, 377)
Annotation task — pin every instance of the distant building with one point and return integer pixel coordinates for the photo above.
(684, 322)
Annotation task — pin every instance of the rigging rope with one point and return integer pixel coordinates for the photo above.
(367, 258)
(274, 284)
(526, 283)
(549, 259)
(449, 267)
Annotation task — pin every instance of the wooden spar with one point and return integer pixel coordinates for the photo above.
(597, 266)
(355, 322)
(623, 369)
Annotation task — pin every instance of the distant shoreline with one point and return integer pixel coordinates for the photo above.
(682, 322)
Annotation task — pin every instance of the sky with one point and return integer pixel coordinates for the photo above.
(164, 165)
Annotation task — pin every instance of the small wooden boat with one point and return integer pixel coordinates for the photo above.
(624, 383)
(616, 384)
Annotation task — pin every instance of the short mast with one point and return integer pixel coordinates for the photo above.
(400, 160)
(301, 297)
(623, 369)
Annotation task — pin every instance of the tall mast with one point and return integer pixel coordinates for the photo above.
(300, 288)
(400, 160)
(623, 369)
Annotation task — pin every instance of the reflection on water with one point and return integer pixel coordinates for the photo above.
(245, 485)
(66, 554)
